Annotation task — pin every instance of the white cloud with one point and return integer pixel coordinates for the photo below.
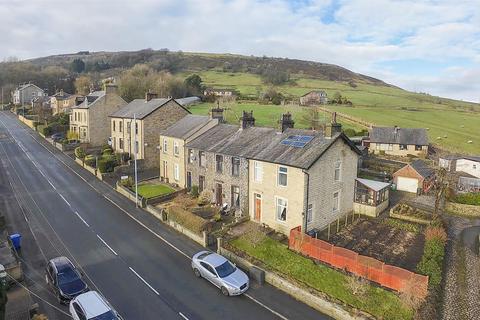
(363, 33)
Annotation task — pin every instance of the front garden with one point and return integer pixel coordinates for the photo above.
(103, 160)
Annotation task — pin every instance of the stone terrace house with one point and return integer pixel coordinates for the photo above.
(62, 102)
(315, 97)
(173, 161)
(217, 161)
(302, 178)
(90, 119)
(152, 116)
(25, 93)
(399, 141)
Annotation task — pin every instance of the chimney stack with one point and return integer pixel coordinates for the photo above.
(217, 113)
(333, 127)
(395, 130)
(150, 95)
(247, 119)
(111, 88)
(286, 121)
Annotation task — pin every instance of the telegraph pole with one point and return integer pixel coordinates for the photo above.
(135, 150)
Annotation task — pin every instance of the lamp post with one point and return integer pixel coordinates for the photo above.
(3, 292)
(135, 156)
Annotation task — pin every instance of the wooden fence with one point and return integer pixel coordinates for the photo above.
(366, 267)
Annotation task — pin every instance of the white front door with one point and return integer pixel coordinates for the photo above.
(407, 184)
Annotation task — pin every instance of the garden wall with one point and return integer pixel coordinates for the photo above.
(386, 275)
(28, 122)
(463, 209)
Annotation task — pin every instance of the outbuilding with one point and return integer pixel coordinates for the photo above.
(416, 177)
(371, 197)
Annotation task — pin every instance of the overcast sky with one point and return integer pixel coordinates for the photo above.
(422, 45)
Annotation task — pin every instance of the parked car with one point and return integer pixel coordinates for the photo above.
(221, 272)
(65, 280)
(58, 136)
(92, 306)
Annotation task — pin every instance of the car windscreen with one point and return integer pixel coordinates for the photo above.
(225, 269)
(67, 276)
(109, 315)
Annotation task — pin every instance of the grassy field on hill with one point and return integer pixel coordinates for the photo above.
(381, 105)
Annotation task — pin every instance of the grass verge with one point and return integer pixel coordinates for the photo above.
(276, 256)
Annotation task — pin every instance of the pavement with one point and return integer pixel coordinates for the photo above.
(141, 266)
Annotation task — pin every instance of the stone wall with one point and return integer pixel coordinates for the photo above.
(463, 209)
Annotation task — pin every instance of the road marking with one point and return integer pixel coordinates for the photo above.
(265, 306)
(183, 316)
(143, 280)
(80, 217)
(65, 199)
(140, 223)
(106, 244)
(50, 182)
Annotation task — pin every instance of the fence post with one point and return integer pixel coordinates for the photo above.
(328, 232)
(338, 224)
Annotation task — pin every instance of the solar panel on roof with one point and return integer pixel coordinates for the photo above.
(297, 141)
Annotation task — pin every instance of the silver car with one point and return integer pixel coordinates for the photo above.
(221, 272)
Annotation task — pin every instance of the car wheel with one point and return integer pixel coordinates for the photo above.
(225, 291)
(197, 273)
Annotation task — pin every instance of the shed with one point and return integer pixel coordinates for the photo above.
(371, 197)
(416, 177)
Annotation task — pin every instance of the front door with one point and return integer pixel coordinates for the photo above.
(218, 194)
(165, 170)
(257, 206)
(189, 180)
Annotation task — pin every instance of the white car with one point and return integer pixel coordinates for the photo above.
(92, 306)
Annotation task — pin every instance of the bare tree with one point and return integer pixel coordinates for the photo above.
(440, 188)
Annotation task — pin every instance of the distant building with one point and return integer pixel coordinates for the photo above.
(398, 141)
(62, 102)
(25, 93)
(219, 92)
(466, 164)
(315, 97)
(416, 177)
(188, 101)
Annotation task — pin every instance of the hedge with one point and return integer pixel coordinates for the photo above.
(187, 219)
(80, 152)
(432, 260)
(468, 198)
(90, 160)
(106, 163)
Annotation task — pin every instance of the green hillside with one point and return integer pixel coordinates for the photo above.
(450, 123)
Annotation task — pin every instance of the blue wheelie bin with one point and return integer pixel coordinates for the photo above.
(16, 238)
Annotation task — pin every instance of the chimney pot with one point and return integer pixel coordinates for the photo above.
(247, 119)
(286, 121)
(217, 113)
(150, 95)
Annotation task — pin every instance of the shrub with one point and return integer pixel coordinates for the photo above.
(80, 153)
(106, 163)
(90, 160)
(433, 254)
(204, 198)
(349, 132)
(194, 191)
(435, 233)
(72, 135)
(468, 198)
(358, 285)
(46, 131)
(187, 219)
(107, 151)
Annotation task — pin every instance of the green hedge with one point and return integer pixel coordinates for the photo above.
(90, 160)
(80, 152)
(468, 198)
(432, 261)
(106, 163)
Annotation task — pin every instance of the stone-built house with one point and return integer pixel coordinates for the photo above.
(152, 116)
(41, 106)
(416, 177)
(398, 141)
(173, 160)
(62, 102)
(90, 119)
(25, 93)
(217, 161)
(302, 178)
(314, 97)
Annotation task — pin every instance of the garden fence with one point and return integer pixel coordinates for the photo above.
(366, 267)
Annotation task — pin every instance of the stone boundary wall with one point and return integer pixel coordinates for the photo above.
(463, 209)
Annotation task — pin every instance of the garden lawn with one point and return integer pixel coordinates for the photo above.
(379, 302)
(148, 191)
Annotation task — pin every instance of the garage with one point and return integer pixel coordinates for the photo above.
(407, 184)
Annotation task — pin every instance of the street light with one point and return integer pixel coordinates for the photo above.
(135, 150)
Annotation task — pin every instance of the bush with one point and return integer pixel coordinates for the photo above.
(107, 163)
(46, 131)
(187, 219)
(194, 191)
(349, 132)
(107, 151)
(433, 254)
(89, 160)
(435, 233)
(80, 153)
(204, 198)
(468, 198)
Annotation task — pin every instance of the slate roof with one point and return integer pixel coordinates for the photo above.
(26, 85)
(272, 150)
(422, 168)
(187, 100)
(472, 158)
(232, 140)
(141, 108)
(61, 95)
(373, 184)
(91, 99)
(411, 136)
(321, 92)
(182, 128)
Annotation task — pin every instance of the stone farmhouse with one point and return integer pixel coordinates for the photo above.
(90, 119)
(315, 97)
(398, 141)
(152, 116)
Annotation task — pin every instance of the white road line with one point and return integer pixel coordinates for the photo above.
(265, 306)
(143, 280)
(80, 217)
(51, 184)
(65, 200)
(106, 244)
(183, 316)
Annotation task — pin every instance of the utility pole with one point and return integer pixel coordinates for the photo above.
(135, 156)
(3, 292)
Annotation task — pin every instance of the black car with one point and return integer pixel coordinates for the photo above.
(58, 136)
(64, 278)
